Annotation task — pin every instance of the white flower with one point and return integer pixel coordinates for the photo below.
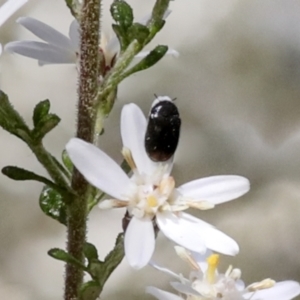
(8, 9)
(206, 283)
(59, 49)
(150, 194)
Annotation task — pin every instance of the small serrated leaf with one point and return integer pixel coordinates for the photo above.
(96, 268)
(90, 251)
(40, 111)
(138, 32)
(53, 205)
(45, 125)
(90, 290)
(151, 59)
(122, 13)
(62, 255)
(11, 121)
(122, 37)
(17, 173)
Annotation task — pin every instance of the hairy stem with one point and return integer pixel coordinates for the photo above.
(77, 212)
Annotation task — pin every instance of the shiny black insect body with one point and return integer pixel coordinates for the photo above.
(163, 129)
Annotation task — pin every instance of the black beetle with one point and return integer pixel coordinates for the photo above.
(163, 129)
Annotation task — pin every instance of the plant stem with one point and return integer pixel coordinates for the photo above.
(47, 160)
(77, 210)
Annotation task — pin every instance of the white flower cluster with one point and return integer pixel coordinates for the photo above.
(206, 283)
(57, 48)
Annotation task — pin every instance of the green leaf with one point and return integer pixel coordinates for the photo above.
(96, 268)
(67, 161)
(17, 173)
(11, 121)
(138, 32)
(151, 59)
(62, 255)
(90, 251)
(90, 290)
(53, 204)
(75, 7)
(122, 37)
(122, 13)
(45, 125)
(40, 111)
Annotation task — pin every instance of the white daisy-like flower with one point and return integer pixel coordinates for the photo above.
(8, 9)
(150, 193)
(206, 283)
(60, 49)
(56, 48)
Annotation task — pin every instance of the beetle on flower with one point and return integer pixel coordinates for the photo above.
(150, 194)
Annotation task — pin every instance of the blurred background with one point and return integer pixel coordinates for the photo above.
(237, 82)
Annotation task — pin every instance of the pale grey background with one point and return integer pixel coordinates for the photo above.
(237, 81)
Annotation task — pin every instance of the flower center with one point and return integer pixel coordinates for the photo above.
(152, 201)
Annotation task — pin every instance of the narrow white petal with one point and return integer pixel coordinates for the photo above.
(41, 51)
(213, 238)
(181, 231)
(216, 189)
(284, 290)
(74, 35)
(184, 289)
(165, 270)
(113, 45)
(9, 8)
(173, 53)
(133, 128)
(98, 168)
(45, 32)
(139, 242)
(160, 294)
(0, 49)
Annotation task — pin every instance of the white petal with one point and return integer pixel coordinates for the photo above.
(42, 52)
(284, 290)
(74, 35)
(164, 270)
(0, 49)
(9, 8)
(98, 168)
(181, 231)
(45, 32)
(216, 189)
(139, 242)
(213, 238)
(184, 289)
(113, 46)
(133, 128)
(160, 294)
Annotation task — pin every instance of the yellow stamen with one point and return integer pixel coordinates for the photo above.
(213, 262)
(129, 159)
(152, 201)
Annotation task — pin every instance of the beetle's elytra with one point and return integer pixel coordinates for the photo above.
(163, 129)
